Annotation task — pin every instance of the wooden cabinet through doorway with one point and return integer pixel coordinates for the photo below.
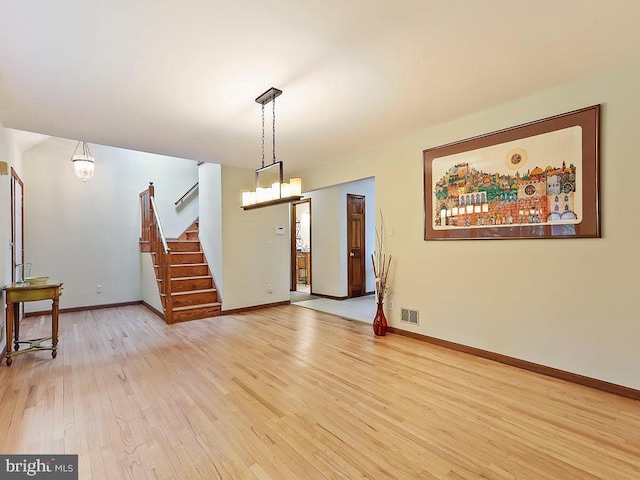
(303, 268)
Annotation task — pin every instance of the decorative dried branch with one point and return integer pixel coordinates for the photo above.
(381, 263)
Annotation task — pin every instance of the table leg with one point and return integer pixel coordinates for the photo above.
(9, 323)
(16, 326)
(54, 327)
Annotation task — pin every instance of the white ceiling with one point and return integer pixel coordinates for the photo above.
(180, 77)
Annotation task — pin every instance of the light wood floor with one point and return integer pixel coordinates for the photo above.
(291, 393)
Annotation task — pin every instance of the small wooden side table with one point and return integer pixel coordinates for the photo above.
(14, 295)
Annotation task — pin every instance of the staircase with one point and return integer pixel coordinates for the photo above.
(193, 292)
(187, 289)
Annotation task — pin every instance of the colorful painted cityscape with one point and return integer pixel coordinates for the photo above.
(465, 197)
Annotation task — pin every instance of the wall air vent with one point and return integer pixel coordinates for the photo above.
(409, 316)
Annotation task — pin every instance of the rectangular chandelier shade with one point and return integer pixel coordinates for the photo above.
(270, 192)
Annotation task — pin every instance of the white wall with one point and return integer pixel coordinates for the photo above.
(329, 236)
(253, 255)
(578, 314)
(328, 243)
(148, 282)
(8, 153)
(210, 205)
(86, 234)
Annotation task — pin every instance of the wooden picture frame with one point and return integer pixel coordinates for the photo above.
(537, 180)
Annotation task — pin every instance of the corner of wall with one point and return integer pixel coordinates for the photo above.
(254, 255)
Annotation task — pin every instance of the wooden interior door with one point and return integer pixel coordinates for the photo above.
(292, 233)
(356, 246)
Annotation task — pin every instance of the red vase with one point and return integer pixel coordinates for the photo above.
(380, 322)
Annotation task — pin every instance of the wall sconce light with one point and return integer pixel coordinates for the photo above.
(270, 188)
(83, 162)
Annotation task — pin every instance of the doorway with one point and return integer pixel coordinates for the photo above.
(301, 246)
(17, 229)
(356, 280)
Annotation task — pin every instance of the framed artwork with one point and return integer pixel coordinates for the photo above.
(538, 180)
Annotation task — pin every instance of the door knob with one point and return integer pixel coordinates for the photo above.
(352, 254)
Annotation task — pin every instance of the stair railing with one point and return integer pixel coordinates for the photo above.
(152, 235)
(182, 198)
(145, 216)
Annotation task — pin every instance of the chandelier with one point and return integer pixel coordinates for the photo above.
(83, 162)
(270, 188)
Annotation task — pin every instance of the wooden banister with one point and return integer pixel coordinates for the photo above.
(156, 220)
(152, 240)
(145, 215)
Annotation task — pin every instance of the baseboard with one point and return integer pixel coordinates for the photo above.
(331, 297)
(525, 365)
(82, 309)
(157, 312)
(235, 311)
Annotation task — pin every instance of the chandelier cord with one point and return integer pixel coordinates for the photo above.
(263, 135)
(85, 149)
(273, 142)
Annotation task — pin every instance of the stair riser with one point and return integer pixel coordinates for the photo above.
(178, 258)
(189, 300)
(193, 299)
(196, 314)
(178, 271)
(184, 246)
(186, 284)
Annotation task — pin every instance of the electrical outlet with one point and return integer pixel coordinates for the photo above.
(270, 288)
(98, 288)
(390, 304)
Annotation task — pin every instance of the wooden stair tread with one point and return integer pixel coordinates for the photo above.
(194, 307)
(189, 292)
(186, 242)
(195, 277)
(187, 265)
(182, 265)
